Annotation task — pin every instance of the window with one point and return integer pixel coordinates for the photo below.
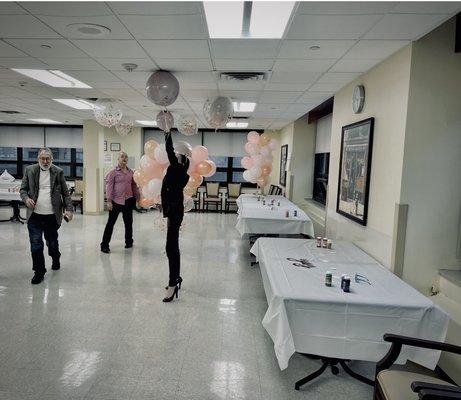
(61, 155)
(30, 153)
(79, 172)
(228, 169)
(321, 168)
(9, 160)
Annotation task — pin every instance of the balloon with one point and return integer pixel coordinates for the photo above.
(204, 168)
(213, 169)
(253, 137)
(255, 172)
(154, 170)
(246, 162)
(266, 170)
(218, 111)
(195, 180)
(268, 159)
(187, 125)
(107, 112)
(139, 176)
(188, 203)
(199, 153)
(152, 189)
(247, 176)
(144, 203)
(265, 139)
(160, 154)
(162, 88)
(165, 121)
(182, 147)
(252, 148)
(189, 191)
(273, 144)
(192, 166)
(263, 181)
(265, 151)
(258, 160)
(145, 161)
(124, 127)
(149, 148)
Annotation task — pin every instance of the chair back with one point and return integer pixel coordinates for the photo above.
(212, 189)
(234, 189)
(272, 189)
(278, 191)
(78, 187)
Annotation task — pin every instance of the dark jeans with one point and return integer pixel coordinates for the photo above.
(172, 246)
(127, 212)
(47, 226)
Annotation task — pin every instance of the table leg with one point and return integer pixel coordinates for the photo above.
(16, 213)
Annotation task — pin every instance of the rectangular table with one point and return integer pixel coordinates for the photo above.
(254, 218)
(12, 197)
(305, 316)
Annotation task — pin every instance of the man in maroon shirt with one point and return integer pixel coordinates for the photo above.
(121, 194)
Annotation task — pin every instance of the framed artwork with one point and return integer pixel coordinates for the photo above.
(115, 147)
(354, 170)
(283, 164)
(105, 145)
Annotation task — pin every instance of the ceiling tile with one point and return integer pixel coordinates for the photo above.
(326, 87)
(353, 65)
(299, 49)
(198, 85)
(115, 64)
(338, 77)
(111, 48)
(291, 87)
(223, 64)
(294, 77)
(165, 27)
(9, 51)
(134, 76)
(379, 49)
(331, 26)
(117, 30)
(345, 7)
(276, 97)
(85, 93)
(155, 8)
(237, 85)
(21, 62)
(74, 64)
(176, 48)
(241, 94)
(110, 85)
(10, 8)
(299, 108)
(428, 7)
(264, 107)
(14, 27)
(198, 95)
(404, 26)
(195, 76)
(60, 48)
(92, 76)
(66, 8)
(244, 48)
(181, 64)
(314, 97)
(288, 65)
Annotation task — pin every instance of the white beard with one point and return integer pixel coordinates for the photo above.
(44, 167)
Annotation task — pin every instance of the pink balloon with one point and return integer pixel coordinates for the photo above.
(199, 153)
(265, 151)
(253, 137)
(252, 148)
(247, 162)
(192, 166)
(153, 169)
(258, 160)
(213, 169)
(268, 160)
(273, 144)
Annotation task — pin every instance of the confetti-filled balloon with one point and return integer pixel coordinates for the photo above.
(162, 88)
(187, 125)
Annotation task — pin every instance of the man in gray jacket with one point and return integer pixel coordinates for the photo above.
(44, 192)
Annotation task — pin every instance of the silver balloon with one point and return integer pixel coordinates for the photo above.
(182, 147)
(165, 120)
(187, 125)
(218, 111)
(124, 127)
(107, 112)
(162, 88)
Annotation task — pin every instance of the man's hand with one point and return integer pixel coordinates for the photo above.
(109, 206)
(30, 203)
(69, 215)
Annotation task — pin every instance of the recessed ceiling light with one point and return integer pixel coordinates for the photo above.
(314, 47)
(241, 106)
(224, 18)
(76, 103)
(270, 18)
(88, 29)
(147, 123)
(44, 120)
(53, 78)
(234, 124)
(45, 46)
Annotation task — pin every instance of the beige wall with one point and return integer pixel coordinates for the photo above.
(386, 91)
(431, 181)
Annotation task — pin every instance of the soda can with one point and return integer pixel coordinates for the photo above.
(295, 213)
(287, 213)
(347, 284)
(319, 241)
(342, 280)
(328, 278)
(324, 242)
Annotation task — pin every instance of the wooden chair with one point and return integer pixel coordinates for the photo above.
(419, 383)
(196, 196)
(233, 192)
(77, 195)
(272, 189)
(212, 196)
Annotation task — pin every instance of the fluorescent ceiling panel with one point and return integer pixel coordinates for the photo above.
(76, 103)
(224, 18)
(44, 120)
(53, 78)
(270, 18)
(243, 106)
(233, 124)
(147, 123)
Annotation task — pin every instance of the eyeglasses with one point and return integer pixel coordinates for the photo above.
(302, 262)
(361, 279)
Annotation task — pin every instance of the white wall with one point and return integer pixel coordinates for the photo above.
(131, 144)
(323, 134)
(386, 91)
(431, 181)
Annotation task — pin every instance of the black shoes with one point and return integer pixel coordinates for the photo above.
(37, 278)
(56, 267)
(105, 249)
(178, 283)
(128, 245)
(175, 293)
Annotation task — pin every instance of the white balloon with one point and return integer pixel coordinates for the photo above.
(255, 172)
(144, 161)
(160, 154)
(272, 144)
(258, 160)
(182, 147)
(153, 188)
(188, 203)
(247, 176)
(265, 150)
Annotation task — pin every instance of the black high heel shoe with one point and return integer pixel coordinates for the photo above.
(178, 282)
(175, 293)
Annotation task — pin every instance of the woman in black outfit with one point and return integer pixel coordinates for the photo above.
(175, 180)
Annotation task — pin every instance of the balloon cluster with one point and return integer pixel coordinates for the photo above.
(153, 166)
(258, 165)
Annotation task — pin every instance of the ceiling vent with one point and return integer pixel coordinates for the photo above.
(237, 118)
(242, 76)
(9, 112)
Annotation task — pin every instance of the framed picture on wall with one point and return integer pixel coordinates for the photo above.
(115, 147)
(354, 170)
(283, 164)
(105, 145)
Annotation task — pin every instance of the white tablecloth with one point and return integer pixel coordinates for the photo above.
(255, 218)
(306, 316)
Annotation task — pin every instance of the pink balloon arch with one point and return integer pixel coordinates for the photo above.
(258, 163)
(153, 166)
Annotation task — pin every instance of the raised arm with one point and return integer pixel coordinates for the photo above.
(170, 149)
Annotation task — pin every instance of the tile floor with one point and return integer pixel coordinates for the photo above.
(97, 329)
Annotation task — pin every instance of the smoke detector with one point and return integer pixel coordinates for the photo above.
(90, 30)
(129, 67)
(242, 76)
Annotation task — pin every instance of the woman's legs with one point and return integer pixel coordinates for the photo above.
(172, 247)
